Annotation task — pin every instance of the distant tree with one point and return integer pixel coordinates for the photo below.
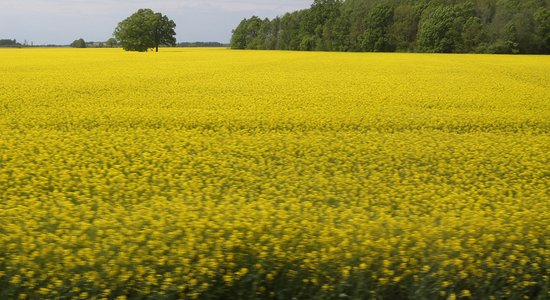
(238, 39)
(376, 36)
(528, 27)
(511, 40)
(9, 43)
(201, 44)
(322, 18)
(341, 34)
(307, 43)
(253, 36)
(255, 33)
(111, 43)
(473, 34)
(441, 27)
(289, 31)
(80, 43)
(404, 29)
(485, 10)
(144, 30)
(542, 18)
(272, 33)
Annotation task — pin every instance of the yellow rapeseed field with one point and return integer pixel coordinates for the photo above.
(212, 173)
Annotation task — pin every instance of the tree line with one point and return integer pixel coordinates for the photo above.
(9, 43)
(201, 44)
(445, 26)
(81, 43)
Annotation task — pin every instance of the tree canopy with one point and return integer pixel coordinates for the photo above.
(144, 30)
(9, 43)
(111, 43)
(80, 43)
(458, 26)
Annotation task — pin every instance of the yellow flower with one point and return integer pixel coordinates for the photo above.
(465, 293)
(157, 173)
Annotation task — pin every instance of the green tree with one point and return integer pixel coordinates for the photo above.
(322, 16)
(289, 32)
(111, 43)
(357, 12)
(9, 42)
(238, 39)
(80, 43)
(404, 29)
(341, 34)
(485, 10)
(254, 33)
(542, 18)
(144, 30)
(254, 36)
(473, 34)
(441, 27)
(376, 37)
(272, 33)
(307, 43)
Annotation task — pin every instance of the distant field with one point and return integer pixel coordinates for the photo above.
(211, 173)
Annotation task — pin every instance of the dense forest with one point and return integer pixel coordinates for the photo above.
(9, 43)
(448, 26)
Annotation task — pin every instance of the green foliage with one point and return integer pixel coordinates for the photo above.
(465, 26)
(80, 43)
(238, 39)
(473, 35)
(254, 33)
(440, 28)
(9, 43)
(289, 31)
(111, 43)
(404, 28)
(542, 19)
(144, 30)
(376, 37)
(322, 17)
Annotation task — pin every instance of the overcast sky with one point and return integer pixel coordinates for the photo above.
(62, 21)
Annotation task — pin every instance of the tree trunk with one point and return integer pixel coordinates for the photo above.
(157, 50)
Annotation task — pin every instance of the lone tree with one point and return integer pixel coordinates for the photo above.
(144, 30)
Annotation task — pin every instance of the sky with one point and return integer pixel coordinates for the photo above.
(62, 21)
